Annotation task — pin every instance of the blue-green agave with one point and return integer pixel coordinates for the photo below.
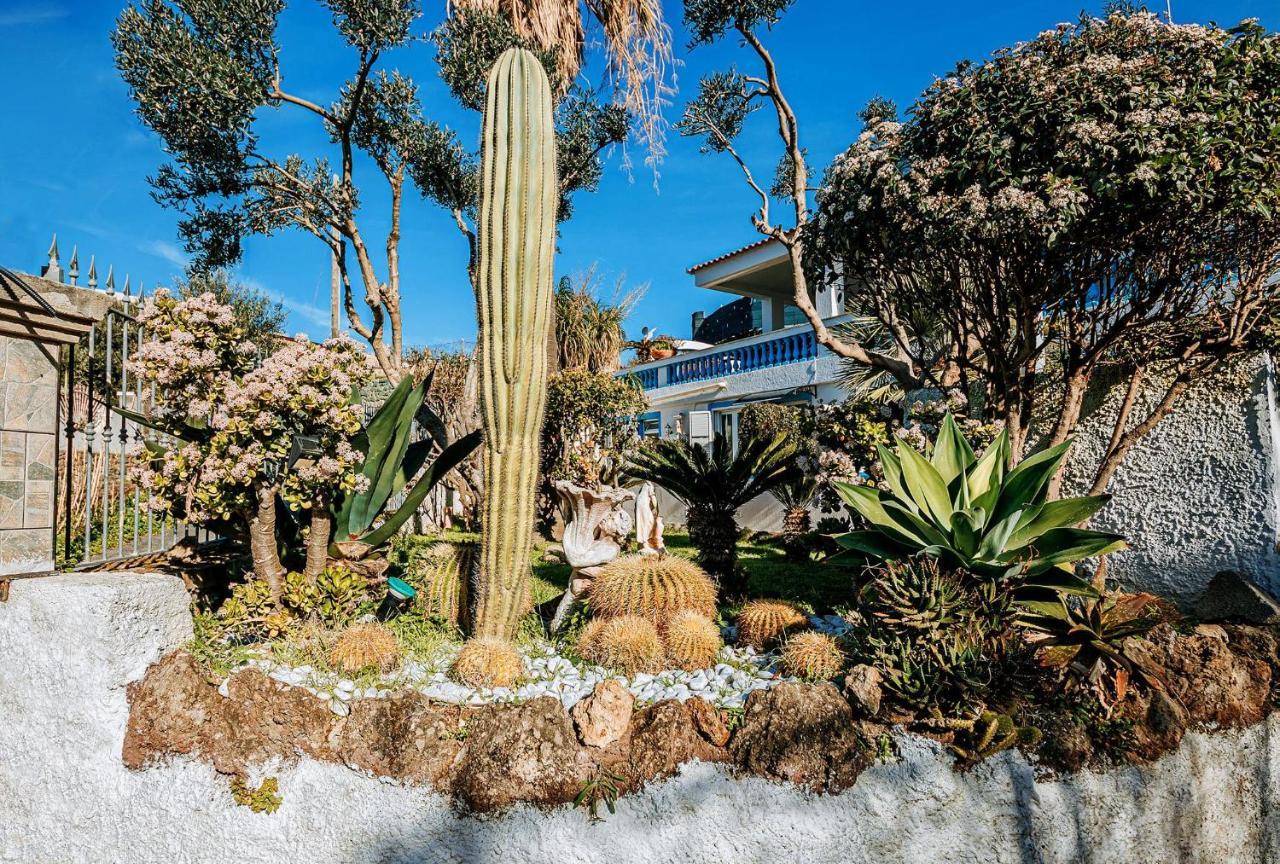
(978, 514)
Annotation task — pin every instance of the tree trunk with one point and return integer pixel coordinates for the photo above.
(715, 535)
(318, 538)
(795, 526)
(1074, 389)
(262, 541)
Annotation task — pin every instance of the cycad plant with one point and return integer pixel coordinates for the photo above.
(713, 485)
(796, 496)
(979, 515)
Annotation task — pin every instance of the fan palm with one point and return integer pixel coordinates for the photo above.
(713, 485)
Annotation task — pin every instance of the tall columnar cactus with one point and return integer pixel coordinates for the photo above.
(516, 230)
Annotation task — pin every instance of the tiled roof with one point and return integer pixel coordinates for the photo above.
(726, 256)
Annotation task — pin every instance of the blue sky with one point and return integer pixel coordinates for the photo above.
(74, 159)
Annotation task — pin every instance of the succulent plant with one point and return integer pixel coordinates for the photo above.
(652, 587)
(442, 577)
(979, 515)
(761, 623)
(984, 734)
(341, 591)
(516, 228)
(940, 638)
(812, 656)
(487, 662)
(365, 646)
(629, 644)
(693, 641)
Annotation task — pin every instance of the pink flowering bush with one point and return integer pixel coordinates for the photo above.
(237, 424)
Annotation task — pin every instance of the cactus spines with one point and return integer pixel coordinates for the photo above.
(693, 641)
(812, 656)
(629, 644)
(653, 588)
(487, 662)
(442, 577)
(365, 646)
(762, 622)
(516, 232)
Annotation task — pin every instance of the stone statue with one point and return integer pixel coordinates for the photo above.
(649, 524)
(596, 527)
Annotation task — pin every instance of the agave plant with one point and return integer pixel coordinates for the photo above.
(979, 514)
(1086, 637)
(713, 485)
(391, 461)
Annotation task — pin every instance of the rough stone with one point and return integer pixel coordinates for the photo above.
(1217, 686)
(170, 710)
(404, 736)
(603, 717)
(802, 734)
(664, 736)
(861, 687)
(264, 720)
(709, 720)
(1233, 596)
(520, 753)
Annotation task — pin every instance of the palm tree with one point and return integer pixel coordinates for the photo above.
(713, 485)
(637, 44)
(796, 496)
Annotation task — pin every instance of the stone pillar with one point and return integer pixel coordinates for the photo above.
(31, 338)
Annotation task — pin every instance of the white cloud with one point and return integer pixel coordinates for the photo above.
(166, 251)
(33, 13)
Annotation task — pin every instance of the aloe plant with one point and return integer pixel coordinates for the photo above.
(979, 514)
(391, 460)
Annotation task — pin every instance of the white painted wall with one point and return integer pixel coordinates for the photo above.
(70, 645)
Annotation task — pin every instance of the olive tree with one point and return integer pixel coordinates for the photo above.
(1101, 197)
(201, 75)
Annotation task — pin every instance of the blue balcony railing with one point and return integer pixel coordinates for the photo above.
(793, 345)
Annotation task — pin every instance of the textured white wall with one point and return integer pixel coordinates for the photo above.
(70, 644)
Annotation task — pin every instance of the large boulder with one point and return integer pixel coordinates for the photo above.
(1216, 685)
(520, 753)
(262, 720)
(663, 737)
(802, 734)
(171, 707)
(405, 736)
(1232, 596)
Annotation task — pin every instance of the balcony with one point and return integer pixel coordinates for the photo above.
(795, 344)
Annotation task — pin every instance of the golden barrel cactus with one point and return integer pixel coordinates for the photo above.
(761, 623)
(629, 644)
(653, 588)
(812, 656)
(365, 646)
(442, 576)
(488, 662)
(693, 641)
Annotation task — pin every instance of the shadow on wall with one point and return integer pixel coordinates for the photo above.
(1198, 494)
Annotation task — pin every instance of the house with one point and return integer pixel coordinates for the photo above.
(761, 348)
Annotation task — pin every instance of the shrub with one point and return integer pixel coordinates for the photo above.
(365, 646)
(812, 656)
(629, 643)
(652, 587)
(693, 641)
(488, 662)
(761, 623)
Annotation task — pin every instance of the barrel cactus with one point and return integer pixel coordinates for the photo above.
(441, 576)
(693, 641)
(365, 646)
(653, 588)
(812, 656)
(487, 662)
(629, 644)
(761, 623)
(516, 230)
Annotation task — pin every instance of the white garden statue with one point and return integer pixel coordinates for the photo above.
(649, 524)
(596, 527)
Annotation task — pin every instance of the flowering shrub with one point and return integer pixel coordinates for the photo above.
(238, 423)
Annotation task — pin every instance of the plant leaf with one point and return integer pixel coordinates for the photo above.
(926, 485)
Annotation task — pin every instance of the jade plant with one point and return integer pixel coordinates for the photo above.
(979, 515)
(514, 289)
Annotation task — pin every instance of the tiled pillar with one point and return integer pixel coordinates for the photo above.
(28, 396)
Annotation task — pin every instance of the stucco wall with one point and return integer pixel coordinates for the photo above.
(70, 644)
(1197, 495)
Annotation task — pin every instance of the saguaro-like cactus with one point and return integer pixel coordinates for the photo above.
(516, 229)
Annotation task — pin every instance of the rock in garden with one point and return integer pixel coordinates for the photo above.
(663, 737)
(603, 717)
(406, 737)
(708, 720)
(525, 752)
(862, 688)
(802, 734)
(1233, 596)
(170, 708)
(1216, 685)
